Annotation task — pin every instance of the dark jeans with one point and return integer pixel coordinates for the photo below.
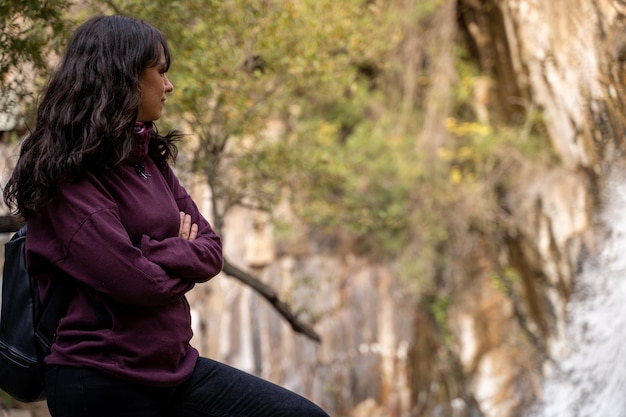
(214, 390)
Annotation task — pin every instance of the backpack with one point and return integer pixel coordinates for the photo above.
(27, 328)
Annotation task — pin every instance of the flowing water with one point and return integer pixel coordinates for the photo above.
(590, 379)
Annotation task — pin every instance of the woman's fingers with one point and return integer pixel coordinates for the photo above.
(187, 230)
(185, 225)
(193, 232)
(180, 228)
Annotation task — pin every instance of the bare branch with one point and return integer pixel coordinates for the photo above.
(10, 223)
(270, 295)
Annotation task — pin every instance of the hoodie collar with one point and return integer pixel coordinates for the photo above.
(142, 133)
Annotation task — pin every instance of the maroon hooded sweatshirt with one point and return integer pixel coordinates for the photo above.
(116, 235)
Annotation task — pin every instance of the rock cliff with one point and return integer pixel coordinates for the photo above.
(382, 352)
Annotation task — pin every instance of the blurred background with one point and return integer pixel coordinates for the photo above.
(420, 200)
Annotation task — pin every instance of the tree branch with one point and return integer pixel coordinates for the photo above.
(10, 223)
(270, 295)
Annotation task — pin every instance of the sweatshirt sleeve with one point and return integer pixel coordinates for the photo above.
(100, 254)
(198, 260)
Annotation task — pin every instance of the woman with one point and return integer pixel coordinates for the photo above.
(104, 208)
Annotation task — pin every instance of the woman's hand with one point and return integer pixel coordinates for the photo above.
(187, 231)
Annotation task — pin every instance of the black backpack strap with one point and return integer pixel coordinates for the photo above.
(62, 292)
(56, 307)
(21, 232)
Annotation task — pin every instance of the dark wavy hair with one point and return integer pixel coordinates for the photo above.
(87, 114)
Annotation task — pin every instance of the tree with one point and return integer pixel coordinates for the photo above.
(29, 33)
(239, 64)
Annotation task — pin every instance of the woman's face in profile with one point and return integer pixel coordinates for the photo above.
(153, 88)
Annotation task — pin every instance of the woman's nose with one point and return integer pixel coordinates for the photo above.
(169, 87)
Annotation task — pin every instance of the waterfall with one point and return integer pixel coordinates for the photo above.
(589, 379)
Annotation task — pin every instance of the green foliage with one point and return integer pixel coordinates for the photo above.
(506, 280)
(438, 306)
(302, 101)
(239, 64)
(29, 32)
(295, 99)
(363, 187)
